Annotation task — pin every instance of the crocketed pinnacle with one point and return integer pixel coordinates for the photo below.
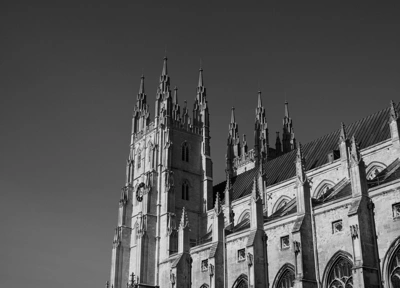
(393, 111)
(184, 219)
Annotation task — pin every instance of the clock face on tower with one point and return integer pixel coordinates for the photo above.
(140, 192)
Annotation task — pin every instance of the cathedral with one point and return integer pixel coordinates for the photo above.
(325, 214)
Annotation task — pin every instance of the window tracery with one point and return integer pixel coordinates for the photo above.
(241, 282)
(185, 152)
(286, 280)
(340, 275)
(394, 269)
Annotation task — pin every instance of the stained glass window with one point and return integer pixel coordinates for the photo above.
(340, 275)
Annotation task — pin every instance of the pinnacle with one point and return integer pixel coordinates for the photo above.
(286, 109)
(201, 82)
(259, 100)
(233, 115)
(141, 89)
(164, 70)
(343, 134)
(175, 99)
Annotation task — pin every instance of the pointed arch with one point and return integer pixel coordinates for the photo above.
(185, 189)
(391, 265)
(285, 277)
(373, 169)
(322, 187)
(245, 215)
(204, 286)
(241, 282)
(282, 201)
(338, 271)
(185, 151)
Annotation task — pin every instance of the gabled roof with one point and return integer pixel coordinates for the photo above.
(368, 131)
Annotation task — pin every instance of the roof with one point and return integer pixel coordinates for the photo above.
(368, 131)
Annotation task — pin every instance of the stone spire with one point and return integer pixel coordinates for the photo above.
(163, 109)
(288, 138)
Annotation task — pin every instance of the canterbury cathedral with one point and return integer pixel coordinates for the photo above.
(325, 214)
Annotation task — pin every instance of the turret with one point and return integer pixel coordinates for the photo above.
(141, 114)
(163, 109)
(394, 127)
(263, 137)
(288, 139)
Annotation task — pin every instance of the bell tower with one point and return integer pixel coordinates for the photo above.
(169, 170)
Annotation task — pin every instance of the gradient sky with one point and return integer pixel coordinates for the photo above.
(69, 75)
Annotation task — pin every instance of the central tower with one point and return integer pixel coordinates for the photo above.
(169, 170)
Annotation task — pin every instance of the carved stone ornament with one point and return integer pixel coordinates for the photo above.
(171, 277)
(169, 180)
(354, 231)
(140, 191)
(211, 270)
(250, 259)
(296, 247)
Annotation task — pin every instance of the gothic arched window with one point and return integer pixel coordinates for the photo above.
(185, 190)
(241, 282)
(394, 269)
(284, 277)
(374, 169)
(204, 286)
(322, 188)
(245, 215)
(185, 152)
(340, 274)
(286, 280)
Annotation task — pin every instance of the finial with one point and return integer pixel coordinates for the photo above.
(393, 111)
(259, 99)
(165, 70)
(200, 84)
(255, 191)
(141, 89)
(233, 115)
(300, 152)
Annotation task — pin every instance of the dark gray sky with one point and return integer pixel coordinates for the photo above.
(69, 75)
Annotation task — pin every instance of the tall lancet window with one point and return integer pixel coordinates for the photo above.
(340, 274)
(185, 152)
(394, 269)
(139, 159)
(185, 190)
